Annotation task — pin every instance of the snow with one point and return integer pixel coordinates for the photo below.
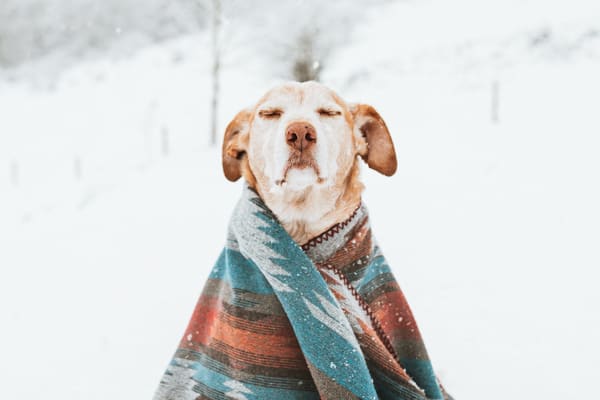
(492, 229)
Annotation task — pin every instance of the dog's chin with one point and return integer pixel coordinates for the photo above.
(298, 180)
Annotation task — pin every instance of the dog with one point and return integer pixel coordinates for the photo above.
(299, 147)
(301, 303)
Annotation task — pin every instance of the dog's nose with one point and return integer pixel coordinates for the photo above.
(301, 135)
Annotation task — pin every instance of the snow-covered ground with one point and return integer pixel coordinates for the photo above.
(113, 208)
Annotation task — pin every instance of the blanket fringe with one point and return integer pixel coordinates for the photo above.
(329, 233)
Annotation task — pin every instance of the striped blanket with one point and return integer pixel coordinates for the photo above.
(275, 320)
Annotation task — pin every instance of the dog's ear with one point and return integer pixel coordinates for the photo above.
(375, 144)
(235, 144)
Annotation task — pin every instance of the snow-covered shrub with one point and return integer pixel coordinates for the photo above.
(31, 29)
(298, 38)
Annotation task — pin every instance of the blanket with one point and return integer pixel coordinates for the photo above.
(275, 320)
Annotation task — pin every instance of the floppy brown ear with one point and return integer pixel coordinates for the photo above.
(379, 153)
(235, 143)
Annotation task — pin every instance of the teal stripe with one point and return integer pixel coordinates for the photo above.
(216, 381)
(377, 267)
(243, 276)
(389, 389)
(422, 373)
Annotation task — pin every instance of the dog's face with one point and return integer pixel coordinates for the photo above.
(302, 140)
(305, 131)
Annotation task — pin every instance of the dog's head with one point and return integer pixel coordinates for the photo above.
(301, 140)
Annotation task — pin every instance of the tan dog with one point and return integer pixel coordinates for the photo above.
(270, 311)
(298, 147)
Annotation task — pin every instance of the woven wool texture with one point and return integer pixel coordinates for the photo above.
(278, 321)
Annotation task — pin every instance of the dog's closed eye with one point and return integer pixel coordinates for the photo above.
(271, 113)
(328, 112)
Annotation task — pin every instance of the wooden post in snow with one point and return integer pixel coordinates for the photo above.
(164, 141)
(77, 168)
(495, 101)
(14, 173)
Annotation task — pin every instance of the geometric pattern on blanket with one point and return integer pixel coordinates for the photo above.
(276, 320)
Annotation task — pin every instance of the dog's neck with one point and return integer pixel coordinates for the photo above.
(306, 214)
(302, 230)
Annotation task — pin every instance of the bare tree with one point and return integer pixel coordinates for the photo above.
(298, 38)
(216, 69)
(32, 29)
(306, 65)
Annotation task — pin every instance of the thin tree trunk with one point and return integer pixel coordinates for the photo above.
(216, 27)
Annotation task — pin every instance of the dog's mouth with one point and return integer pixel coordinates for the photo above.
(300, 162)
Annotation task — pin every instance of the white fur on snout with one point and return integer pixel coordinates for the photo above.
(270, 152)
(278, 152)
(271, 140)
(327, 149)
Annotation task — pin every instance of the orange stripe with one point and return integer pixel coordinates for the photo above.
(394, 315)
(285, 345)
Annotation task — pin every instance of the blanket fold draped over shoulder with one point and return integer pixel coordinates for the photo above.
(276, 320)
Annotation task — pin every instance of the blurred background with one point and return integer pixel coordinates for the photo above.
(113, 207)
